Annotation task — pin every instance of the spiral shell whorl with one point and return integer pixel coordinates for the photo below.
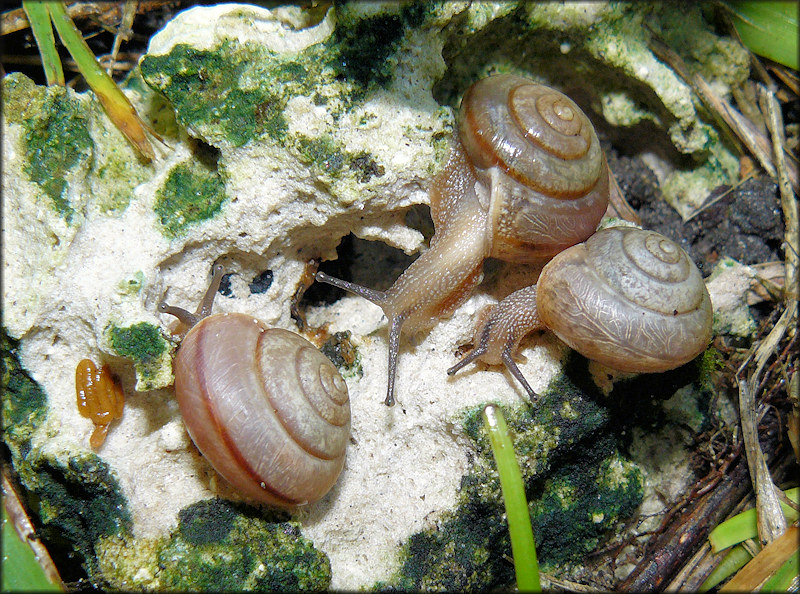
(647, 269)
(602, 305)
(538, 155)
(537, 135)
(270, 430)
(306, 392)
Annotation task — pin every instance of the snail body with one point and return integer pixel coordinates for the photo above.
(525, 179)
(627, 298)
(264, 406)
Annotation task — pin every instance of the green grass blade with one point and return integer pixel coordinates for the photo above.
(733, 561)
(745, 525)
(20, 570)
(786, 577)
(39, 20)
(769, 29)
(523, 549)
(114, 101)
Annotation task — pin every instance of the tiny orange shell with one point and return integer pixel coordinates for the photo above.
(99, 397)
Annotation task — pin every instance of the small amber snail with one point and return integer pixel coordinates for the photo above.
(100, 398)
(627, 298)
(525, 180)
(265, 407)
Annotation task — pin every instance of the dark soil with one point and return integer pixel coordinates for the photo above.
(745, 224)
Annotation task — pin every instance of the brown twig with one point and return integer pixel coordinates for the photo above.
(771, 522)
(666, 553)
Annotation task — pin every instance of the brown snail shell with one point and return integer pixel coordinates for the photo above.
(539, 154)
(627, 298)
(265, 407)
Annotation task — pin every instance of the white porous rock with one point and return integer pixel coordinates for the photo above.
(67, 282)
(406, 464)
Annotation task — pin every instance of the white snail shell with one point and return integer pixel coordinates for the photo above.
(627, 298)
(265, 407)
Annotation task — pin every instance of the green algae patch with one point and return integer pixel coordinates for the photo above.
(24, 401)
(579, 488)
(461, 555)
(133, 285)
(192, 193)
(56, 136)
(364, 46)
(214, 95)
(322, 152)
(22, 98)
(578, 504)
(238, 92)
(221, 546)
(328, 157)
(150, 353)
(117, 167)
(141, 342)
(78, 499)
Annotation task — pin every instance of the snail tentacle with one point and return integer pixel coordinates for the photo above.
(185, 317)
(204, 309)
(499, 330)
(376, 297)
(525, 179)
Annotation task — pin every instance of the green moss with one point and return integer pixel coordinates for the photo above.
(141, 342)
(236, 92)
(461, 555)
(22, 98)
(132, 285)
(581, 501)
(192, 193)
(213, 93)
(203, 87)
(117, 168)
(364, 46)
(224, 546)
(24, 401)
(78, 500)
(709, 364)
(150, 353)
(365, 167)
(577, 483)
(56, 136)
(322, 152)
(208, 521)
(330, 158)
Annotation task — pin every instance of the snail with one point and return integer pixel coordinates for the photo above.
(99, 397)
(265, 407)
(627, 298)
(526, 178)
